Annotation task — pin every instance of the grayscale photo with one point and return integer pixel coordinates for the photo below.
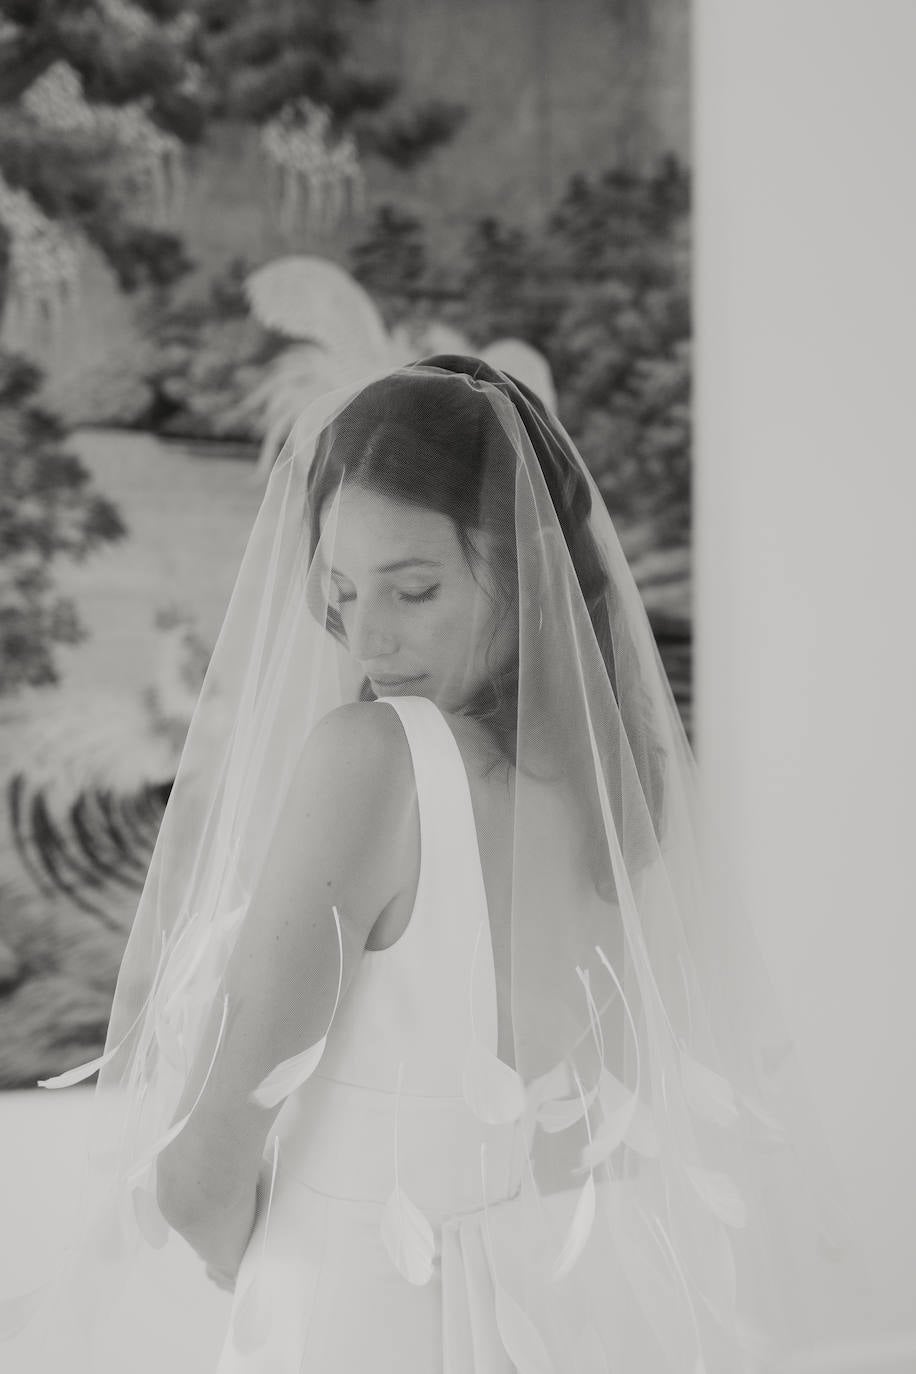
(381, 990)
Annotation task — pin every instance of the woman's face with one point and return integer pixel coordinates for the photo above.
(415, 617)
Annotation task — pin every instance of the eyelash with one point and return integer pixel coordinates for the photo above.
(420, 596)
(413, 599)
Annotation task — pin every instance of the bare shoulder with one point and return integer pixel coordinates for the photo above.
(351, 814)
(359, 745)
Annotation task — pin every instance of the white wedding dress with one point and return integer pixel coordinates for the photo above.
(337, 1303)
(333, 1300)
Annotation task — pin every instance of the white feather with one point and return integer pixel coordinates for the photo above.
(493, 1090)
(579, 1231)
(408, 1237)
(707, 1092)
(776, 1129)
(559, 1113)
(522, 1341)
(289, 1075)
(720, 1194)
(627, 1120)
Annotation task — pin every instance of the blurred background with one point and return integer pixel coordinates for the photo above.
(211, 210)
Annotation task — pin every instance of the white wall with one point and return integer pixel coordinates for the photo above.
(806, 560)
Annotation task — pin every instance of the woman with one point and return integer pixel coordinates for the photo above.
(427, 1038)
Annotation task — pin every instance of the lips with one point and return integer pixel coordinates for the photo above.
(395, 681)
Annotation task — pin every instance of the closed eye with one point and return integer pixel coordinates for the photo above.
(420, 596)
(412, 597)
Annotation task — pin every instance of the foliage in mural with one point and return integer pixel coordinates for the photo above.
(104, 106)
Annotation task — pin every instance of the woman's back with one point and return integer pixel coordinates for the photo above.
(389, 1121)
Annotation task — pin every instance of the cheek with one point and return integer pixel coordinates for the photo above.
(467, 631)
(454, 632)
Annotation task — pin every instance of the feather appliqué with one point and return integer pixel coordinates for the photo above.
(626, 1118)
(251, 1315)
(291, 1073)
(776, 1130)
(580, 1228)
(408, 1238)
(641, 1135)
(492, 1089)
(169, 1032)
(521, 1339)
(146, 1160)
(707, 1092)
(559, 1113)
(719, 1193)
(663, 1241)
(406, 1233)
(583, 1217)
(619, 1106)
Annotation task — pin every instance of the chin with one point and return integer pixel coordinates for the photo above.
(423, 688)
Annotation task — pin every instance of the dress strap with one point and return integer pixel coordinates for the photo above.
(451, 874)
(443, 792)
(447, 827)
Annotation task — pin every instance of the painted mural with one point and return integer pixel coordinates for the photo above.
(211, 210)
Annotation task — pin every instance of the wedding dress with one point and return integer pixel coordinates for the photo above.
(335, 1302)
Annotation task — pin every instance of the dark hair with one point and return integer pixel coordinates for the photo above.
(440, 446)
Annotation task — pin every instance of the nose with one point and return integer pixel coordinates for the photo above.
(369, 635)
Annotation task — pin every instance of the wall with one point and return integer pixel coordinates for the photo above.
(806, 561)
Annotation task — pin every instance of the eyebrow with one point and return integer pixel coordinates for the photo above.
(401, 563)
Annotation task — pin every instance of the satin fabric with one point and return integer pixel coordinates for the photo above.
(336, 1302)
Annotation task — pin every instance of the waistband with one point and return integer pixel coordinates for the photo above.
(339, 1139)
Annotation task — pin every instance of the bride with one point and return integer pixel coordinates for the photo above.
(427, 1039)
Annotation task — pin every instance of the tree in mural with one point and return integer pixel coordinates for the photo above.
(265, 57)
(287, 69)
(602, 290)
(47, 510)
(96, 97)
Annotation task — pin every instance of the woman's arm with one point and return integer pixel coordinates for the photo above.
(346, 838)
(221, 1237)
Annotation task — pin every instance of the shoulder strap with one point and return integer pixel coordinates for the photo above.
(451, 872)
(431, 745)
(447, 826)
